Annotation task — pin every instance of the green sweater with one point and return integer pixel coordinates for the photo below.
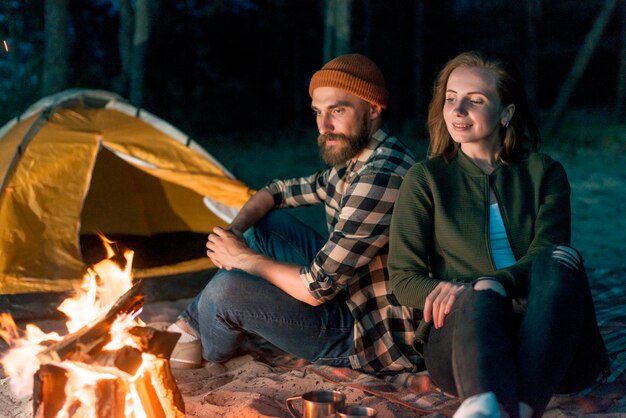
(440, 224)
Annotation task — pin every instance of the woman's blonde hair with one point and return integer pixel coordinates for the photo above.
(518, 138)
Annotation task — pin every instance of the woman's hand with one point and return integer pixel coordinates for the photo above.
(440, 300)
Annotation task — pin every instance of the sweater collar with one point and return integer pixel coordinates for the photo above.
(469, 166)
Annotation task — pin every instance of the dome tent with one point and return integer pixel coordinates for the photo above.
(85, 162)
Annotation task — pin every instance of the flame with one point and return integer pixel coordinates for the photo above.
(94, 299)
(20, 361)
(119, 332)
(17, 361)
(102, 286)
(8, 329)
(6, 45)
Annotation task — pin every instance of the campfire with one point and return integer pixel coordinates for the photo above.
(110, 364)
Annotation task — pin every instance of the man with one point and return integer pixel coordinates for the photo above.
(325, 300)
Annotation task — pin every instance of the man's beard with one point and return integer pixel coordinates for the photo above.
(349, 146)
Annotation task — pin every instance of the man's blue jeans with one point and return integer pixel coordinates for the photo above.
(235, 303)
(554, 348)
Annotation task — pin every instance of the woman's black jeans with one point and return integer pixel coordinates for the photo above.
(554, 347)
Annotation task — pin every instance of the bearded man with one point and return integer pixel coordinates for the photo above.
(327, 300)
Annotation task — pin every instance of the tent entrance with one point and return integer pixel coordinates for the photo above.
(150, 251)
(162, 222)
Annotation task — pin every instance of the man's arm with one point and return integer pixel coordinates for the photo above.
(252, 211)
(229, 251)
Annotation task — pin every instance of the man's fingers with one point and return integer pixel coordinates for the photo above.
(210, 245)
(211, 254)
(211, 239)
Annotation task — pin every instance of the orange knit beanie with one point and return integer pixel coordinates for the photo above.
(356, 74)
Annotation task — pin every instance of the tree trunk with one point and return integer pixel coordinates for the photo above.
(125, 46)
(337, 28)
(140, 45)
(56, 47)
(621, 75)
(343, 26)
(580, 64)
(533, 16)
(418, 67)
(329, 30)
(368, 19)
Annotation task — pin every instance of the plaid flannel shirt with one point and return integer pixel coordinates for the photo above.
(358, 198)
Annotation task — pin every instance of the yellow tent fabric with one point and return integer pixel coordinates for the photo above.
(87, 162)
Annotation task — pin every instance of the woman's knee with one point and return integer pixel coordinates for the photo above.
(560, 255)
(557, 263)
(557, 271)
(567, 257)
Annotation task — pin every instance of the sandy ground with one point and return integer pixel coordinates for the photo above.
(249, 387)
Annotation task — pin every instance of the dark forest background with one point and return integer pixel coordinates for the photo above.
(227, 67)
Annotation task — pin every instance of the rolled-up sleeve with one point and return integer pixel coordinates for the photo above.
(360, 232)
(302, 191)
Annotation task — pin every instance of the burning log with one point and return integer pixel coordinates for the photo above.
(115, 373)
(49, 397)
(153, 341)
(49, 391)
(108, 366)
(110, 397)
(89, 340)
(154, 390)
(126, 359)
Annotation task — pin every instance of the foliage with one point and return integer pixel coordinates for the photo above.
(220, 66)
(20, 66)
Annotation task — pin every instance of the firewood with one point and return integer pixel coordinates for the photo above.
(149, 397)
(110, 397)
(49, 391)
(90, 339)
(127, 359)
(169, 392)
(158, 380)
(155, 386)
(153, 341)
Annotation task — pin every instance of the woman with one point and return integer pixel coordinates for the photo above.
(480, 243)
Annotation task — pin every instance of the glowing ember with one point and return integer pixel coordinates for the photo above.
(116, 373)
(6, 45)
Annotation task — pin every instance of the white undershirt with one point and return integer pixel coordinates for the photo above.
(500, 247)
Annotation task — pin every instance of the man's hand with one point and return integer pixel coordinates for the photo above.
(440, 300)
(227, 249)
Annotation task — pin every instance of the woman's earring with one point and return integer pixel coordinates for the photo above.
(505, 123)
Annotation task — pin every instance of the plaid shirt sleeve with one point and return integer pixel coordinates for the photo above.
(361, 230)
(303, 191)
